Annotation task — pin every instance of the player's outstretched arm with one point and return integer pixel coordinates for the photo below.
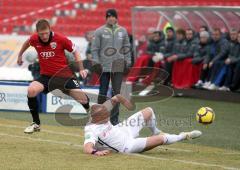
(82, 71)
(119, 99)
(23, 49)
(89, 149)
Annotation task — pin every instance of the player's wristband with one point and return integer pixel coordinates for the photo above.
(94, 151)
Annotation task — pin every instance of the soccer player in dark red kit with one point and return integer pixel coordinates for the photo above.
(54, 70)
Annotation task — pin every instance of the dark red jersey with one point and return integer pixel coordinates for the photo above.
(52, 58)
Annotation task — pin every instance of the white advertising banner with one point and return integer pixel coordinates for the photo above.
(13, 97)
(58, 99)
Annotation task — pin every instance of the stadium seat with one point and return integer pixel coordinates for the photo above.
(90, 18)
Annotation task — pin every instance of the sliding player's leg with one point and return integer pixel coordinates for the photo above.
(167, 139)
(80, 97)
(143, 118)
(33, 90)
(138, 145)
(72, 88)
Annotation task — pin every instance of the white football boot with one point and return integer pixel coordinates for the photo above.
(192, 135)
(32, 128)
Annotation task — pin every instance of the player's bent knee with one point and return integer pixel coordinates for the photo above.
(32, 92)
(147, 113)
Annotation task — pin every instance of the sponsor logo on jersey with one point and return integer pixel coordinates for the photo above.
(53, 45)
(120, 34)
(106, 36)
(47, 54)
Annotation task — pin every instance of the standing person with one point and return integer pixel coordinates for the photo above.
(54, 70)
(111, 48)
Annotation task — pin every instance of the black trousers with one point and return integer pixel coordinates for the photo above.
(205, 74)
(236, 78)
(116, 80)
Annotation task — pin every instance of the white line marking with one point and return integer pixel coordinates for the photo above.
(42, 140)
(137, 155)
(186, 162)
(174, 149)
(78, 135)
(47, 131)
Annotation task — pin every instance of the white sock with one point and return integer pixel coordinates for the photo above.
(172, 138)
(152, 124)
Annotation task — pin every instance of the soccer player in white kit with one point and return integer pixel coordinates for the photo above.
(101, 137)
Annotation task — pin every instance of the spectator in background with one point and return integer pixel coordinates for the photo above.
(203, 28)
(157, 43)
(144, 41)
(184, 74)
(184, 46)
(35, 69)
(234, 51)
(219, 49)
(200, 56)
(89, 37)
(168, 51)
(236, 71)
(141, 46)
(154, 46)
(108, 48)
(87, 63)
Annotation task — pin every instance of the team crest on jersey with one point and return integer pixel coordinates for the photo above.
(120, 34)
(53, 45)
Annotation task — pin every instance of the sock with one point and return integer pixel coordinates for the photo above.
(172, 138)
(33, 106)
(152, 124)
(86, 105)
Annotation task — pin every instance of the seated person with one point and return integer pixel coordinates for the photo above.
(200, 56)
(185, 45)
(101, 136)
(145, 60)
(167, 50)
(183, 72)
(218, 52)
(230, 62)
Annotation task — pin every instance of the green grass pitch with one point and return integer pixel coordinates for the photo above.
(60, 147)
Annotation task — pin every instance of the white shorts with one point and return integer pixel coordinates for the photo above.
(133, 126)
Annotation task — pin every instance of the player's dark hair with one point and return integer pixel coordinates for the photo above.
(42, 24)
(217, 30)
(204, 27)
(181, 31)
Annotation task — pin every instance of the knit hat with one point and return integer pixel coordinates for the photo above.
(111, 12)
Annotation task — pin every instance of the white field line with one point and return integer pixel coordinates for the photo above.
(78, 135)
(137, 155)
(47, 131)
(188, 162)
(42, 140)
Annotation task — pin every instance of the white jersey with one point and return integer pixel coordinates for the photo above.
(107, 134)
(122, 137)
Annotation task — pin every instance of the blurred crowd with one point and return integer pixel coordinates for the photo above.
(204, 59)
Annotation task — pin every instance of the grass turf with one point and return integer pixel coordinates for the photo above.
(59, 147)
